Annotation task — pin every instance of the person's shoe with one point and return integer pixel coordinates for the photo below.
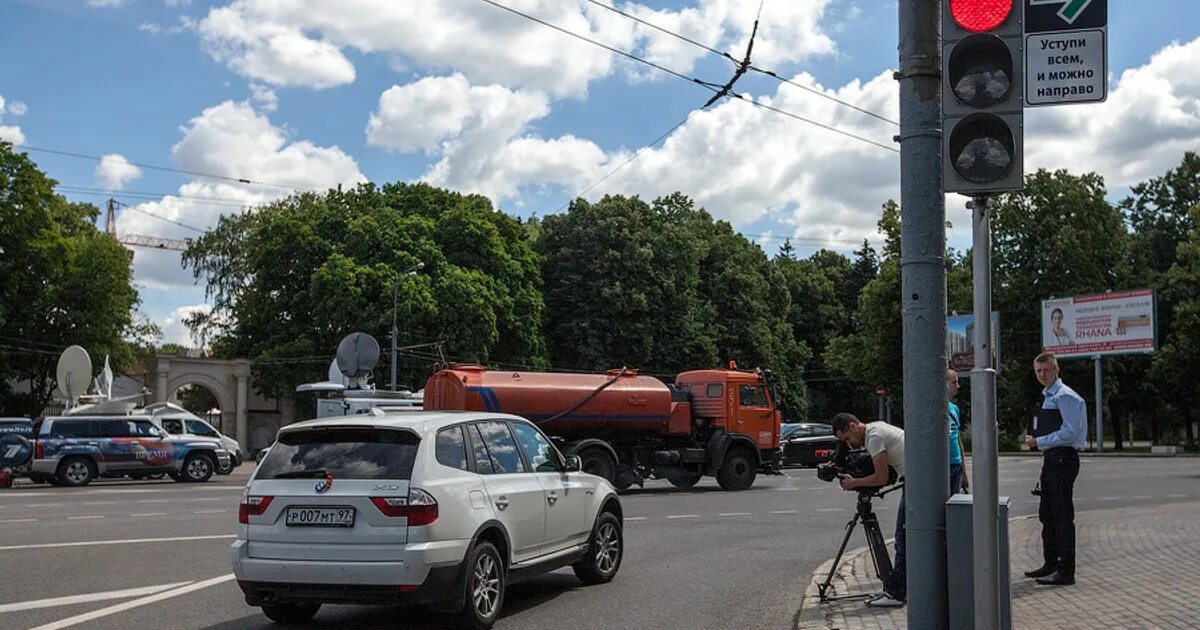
(1041, 572)
(885, 601)
(1059, 579)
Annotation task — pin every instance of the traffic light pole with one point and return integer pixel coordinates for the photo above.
(984, 461)
(923, 312)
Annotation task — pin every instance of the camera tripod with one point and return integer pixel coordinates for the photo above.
(870, 523)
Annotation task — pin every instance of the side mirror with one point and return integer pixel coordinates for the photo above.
(574, 464)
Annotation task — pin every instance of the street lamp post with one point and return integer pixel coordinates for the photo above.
(411, 271)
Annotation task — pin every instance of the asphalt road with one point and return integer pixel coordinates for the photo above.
(144, 554)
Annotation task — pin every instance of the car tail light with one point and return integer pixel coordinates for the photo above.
(252, 506)
(419, 507)
(39, 450)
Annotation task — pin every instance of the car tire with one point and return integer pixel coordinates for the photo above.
(483, 596)
(291, 613)
(198, 468)
(597, 462)
(226, 469)
(605, 550)
(685, 479)
(738, 470)
(76, 471)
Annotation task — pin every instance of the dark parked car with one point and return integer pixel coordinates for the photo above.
(807, 444)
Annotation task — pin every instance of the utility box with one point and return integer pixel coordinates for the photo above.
(960, 562)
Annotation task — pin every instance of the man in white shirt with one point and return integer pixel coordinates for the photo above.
(885, 444)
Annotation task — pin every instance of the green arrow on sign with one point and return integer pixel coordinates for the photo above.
(1070, 10)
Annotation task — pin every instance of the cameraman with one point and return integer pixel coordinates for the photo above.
(885, 444)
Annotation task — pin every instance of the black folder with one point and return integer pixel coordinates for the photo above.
(1046, 421)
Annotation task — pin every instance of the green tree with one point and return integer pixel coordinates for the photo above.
(65, 282)
(1056, 237)
(289, 280)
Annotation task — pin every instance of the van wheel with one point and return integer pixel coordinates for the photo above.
(290, 613)
(76, 471)
(197, 468)
(604, 551)
(738, 471)
(485, 586)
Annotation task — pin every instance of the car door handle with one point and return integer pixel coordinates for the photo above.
(552, 498)
(502, 502)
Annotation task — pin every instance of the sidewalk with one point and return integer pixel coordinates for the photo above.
(1136, 568)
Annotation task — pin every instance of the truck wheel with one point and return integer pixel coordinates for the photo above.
(76, 471)
(738, 471)
(684, 478)
(595, 461)
(290, 613)
(604, 551)
(197, 468)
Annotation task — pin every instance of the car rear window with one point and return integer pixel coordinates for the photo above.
(348, 453)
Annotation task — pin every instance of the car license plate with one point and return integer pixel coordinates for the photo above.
(320, 516)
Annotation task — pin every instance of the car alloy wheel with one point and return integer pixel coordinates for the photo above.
(485, 585)
(608, 547)
(198, 469)
(78, 473)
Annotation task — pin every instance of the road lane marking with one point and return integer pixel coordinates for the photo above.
(683, 516)
(18, 520)
(734, 514)
(129, 541)
(210, 511)
(122, 607)
(86, 517)
(783, 511)
(1176, 496)
(99, 502)
(829, 509)
(43, 505)
(154, 500)
(1142, 496)
(635, 518)
(212, 499)
(90, 597)
(137, 514)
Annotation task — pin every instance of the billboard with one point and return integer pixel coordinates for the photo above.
(960, 342)
(1120, 322)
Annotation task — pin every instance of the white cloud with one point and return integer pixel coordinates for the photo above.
(301, 42)
(229, 140)
(264, 96)
(114, 171)
(421, 115)
(186, 23)
(1151, 117)
(107, 4)
(177, 3)
(11, 133)
(175, 331)
(16, 108)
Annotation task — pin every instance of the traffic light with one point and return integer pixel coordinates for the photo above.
(983, 77)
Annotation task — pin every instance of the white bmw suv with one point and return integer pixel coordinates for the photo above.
(418, 507)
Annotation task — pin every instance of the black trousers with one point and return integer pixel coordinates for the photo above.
(1060, 467)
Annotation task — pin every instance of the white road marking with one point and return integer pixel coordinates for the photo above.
(1101, 498)
(1176, 496)
(829, 509)
(112, 610)
(635, 518)
(44, 505)
(211, 499)
(19, 520)
(1142, 496)
(683, 516)
(783, 511)
(816, 487)
(734, 514)
(98, 502)
(138, 514)
(90, 597)
(787, 489)
(210, 511)
(154, 500)
(86, 517)
(89, 543)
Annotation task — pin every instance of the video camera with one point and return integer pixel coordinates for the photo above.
(855, 462)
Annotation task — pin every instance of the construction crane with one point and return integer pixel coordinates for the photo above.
(139, 240)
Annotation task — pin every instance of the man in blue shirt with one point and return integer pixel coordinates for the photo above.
(1064, 408)
(954, 417)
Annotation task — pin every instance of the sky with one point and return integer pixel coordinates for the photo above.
(308, 94)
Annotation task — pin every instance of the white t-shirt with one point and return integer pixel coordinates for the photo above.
(881, 437)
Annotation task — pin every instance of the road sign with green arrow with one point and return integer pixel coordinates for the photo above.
(1066, 52)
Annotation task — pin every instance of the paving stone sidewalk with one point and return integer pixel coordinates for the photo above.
(1136, 568)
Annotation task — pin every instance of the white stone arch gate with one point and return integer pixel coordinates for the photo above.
(228, 379)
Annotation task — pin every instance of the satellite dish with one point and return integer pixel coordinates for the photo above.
(74, 372)
(357, 355)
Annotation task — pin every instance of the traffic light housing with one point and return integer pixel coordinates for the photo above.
(983, 75)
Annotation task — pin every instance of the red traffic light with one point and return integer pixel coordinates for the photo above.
(979, 16)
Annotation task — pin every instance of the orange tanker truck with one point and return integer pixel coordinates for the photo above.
(627, 427)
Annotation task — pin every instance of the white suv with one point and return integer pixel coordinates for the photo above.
(417, 507)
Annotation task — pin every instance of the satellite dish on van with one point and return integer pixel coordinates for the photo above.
(335, 374)
(74, 372)
(357, 355)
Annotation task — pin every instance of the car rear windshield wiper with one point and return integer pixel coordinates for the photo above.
(301, 474)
